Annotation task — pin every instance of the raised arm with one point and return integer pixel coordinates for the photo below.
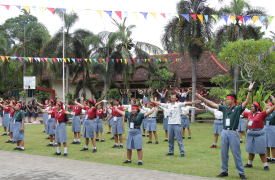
(188, 91)
(77, 103)
(208, 101)
(43, 110)
(5, 107)
(120, 91)
(38, 103)
(194, 102)
(65, 104)
(166, 91)
(208, 108)
(248, 95)
(100, 103)
(158, 92)
(270, 110)
(127, 91)
(149, 90)
(150, 112)
(119, 111)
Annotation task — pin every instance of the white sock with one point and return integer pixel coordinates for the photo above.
(24, 148)
(74, 140)
(86, 147)
(78, 140)
(10, 139)
(215, 144)
(139, 160)
(5, 132)
(94, 147)
(116, 144)
(65, 150)
(121, 144)
(249, 162)
(51, 142)
(58, 149)
(166, 138)
(17, 146)
(273, 158)
(147, 134)
(269, 158)
(241, 140)
(143, 134)
(128, 160)
(102, 139)
(55, 143)
(265, 164)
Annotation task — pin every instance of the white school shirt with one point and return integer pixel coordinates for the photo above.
(166, 111)
(218, 114)
(153, 115)
(83, 111)
(129, 107)
(175, 112)
(185, 110)
(246, 110)
(183, 94)
(109, 111)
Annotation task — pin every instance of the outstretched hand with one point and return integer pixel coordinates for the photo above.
(251, 86)
(273, 98)
(197, 101)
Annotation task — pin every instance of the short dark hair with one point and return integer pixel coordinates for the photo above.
(77, 99)
(233, 95)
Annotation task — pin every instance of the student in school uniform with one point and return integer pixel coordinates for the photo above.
(124, 96)
(242, 126)
(118, 127)
(183, 95)
(270, 134)
(256, 139)
(109, 113)
(84, 113)
(144, 94)
(45, 115)
(6, 116)
(35, 111)
(151, 123)
(50, 124)
(134, 137)
(60, 129)
(29, 111)
(129, 108)
(99, 122)
(218, 123)
(76, 123)
(162, 95)
(229, 135)
(174, 122)
(19, 128)
(166, 113)
(144, 121)
(24, 109)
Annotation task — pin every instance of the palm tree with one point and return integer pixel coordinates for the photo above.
(236, 31)
(189, 36)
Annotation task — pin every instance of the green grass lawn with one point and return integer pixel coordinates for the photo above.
(200, 160)
(205, 115)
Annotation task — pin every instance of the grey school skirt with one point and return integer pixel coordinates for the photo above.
(218, 126)
(242, 124)
(83, 118)
(117, 127)
(255, 142)
(50, 127)
(5, 120)
(151, 124)
(270, 135)
(134, 139)
(61, 133)
(88, 128)
(45, 118)
(185, 121)
(144, 123)
(165, 124)
(17, 134)
(76, 124)
(109, 123)
(11, 124)
(98, 125)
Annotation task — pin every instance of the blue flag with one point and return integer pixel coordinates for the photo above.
(186, 16)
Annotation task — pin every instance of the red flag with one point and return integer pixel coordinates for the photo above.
(134, 60)
(117, 60)
(51, 9)
(241, 18)
(118, 13)
(7, 6)
(77, 59)
(54, 60)
(161, 60)
(194, 16)
(99, 60)
(163, 14)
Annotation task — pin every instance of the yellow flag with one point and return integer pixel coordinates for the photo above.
(233, 18)
(166, 60)
(125, 60)
(200, 16)
(103, 60)
(64, 59)
(255, 18)
(154, 14)
(86, 59)
(27, 8)
(99, 12)
(30, 59)
(7, 57)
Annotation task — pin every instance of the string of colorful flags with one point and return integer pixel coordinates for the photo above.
(79, 60)
(120, 14)
(263, 55)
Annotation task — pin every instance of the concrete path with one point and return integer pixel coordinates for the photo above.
(15, 165)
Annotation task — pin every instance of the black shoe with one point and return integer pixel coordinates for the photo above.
(266, 168)
(4, 134)
(57, 154)
(143, 135)
(126, 162)
(248, 165)
(43, 131)
(223, 174)
(156, 142)
(47, 138)
(94, 151)
(29, 122)
(65, 155)
(183, 137)
(120, 147)
(109, 132)
(182, 155)
(175, 139)
(96, 139)
(149, 142)
(269, 160)
(213, 146)
(169, 154)
(13, 142)
(55, 145)
(139, 163)
(9, 141)
(21, 149)
(84, 149)
(17, 148)
(102, 140)
(78, 142)
(115, 146)
(189, 137)
(166, 140)
(147, 135)
(243, 177)
(73, 142)
(112, 138)
(50, 145)
(272, 161)
(241, 141)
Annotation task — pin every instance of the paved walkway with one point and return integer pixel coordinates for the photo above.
(15, 165)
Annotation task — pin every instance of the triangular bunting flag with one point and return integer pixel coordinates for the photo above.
(35, 59)
(7, 6)
(215, 17)
(54, 60)
(20, 59)
(121, 60)
(18, 6)
(3, 58)
(113, 60)
(262, 18)
(200, 17)
(25, 58)
(176, 15)
(27, 8)
(118, 13)
(117, 60)
(77, 59)
(154, 14)
(125, 60)
(144, 14)
(99, 12)
(233, 17)
(241, 18)
(129, 60)
(163, 14)
(169, 14)
(186, 16)
(245, 18)
(103, 60)
(34, 8)
(225, 18)
(94, 60)
(68, 59)
(194, 16)
(42, 59)
(42, 9)
(135, 14)
(38, 59)
(13, 57)
(270, 19)
(86, 59)
(90, 60)
(206, 18)
(50, 59)
(62, 9)
(109, 13)
(30, 59)
(255, 18)
(73, 59)
(137, 60)
(51, 10)
(134, 60)
(125, 13)
(64, 59)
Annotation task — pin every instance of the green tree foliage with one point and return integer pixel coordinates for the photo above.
(42, 94)
(113, 93)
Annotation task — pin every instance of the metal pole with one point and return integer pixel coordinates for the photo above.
(63, 57)
(252, 90)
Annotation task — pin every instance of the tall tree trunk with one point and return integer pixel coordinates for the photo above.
(105, 81)
(67, 83)
(194, 83)
(24, 74)
(236, 79)
(83, 86)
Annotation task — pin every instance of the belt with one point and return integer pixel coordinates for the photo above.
(6, 112)
(256, 129)
(117, 116)
(219, 119)
(152, 117)
(61, 122)
(136, 127)
(90, 119)
(233, 129)
(76, 115)
(184, 115)
(18, 121)
(12, 116)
